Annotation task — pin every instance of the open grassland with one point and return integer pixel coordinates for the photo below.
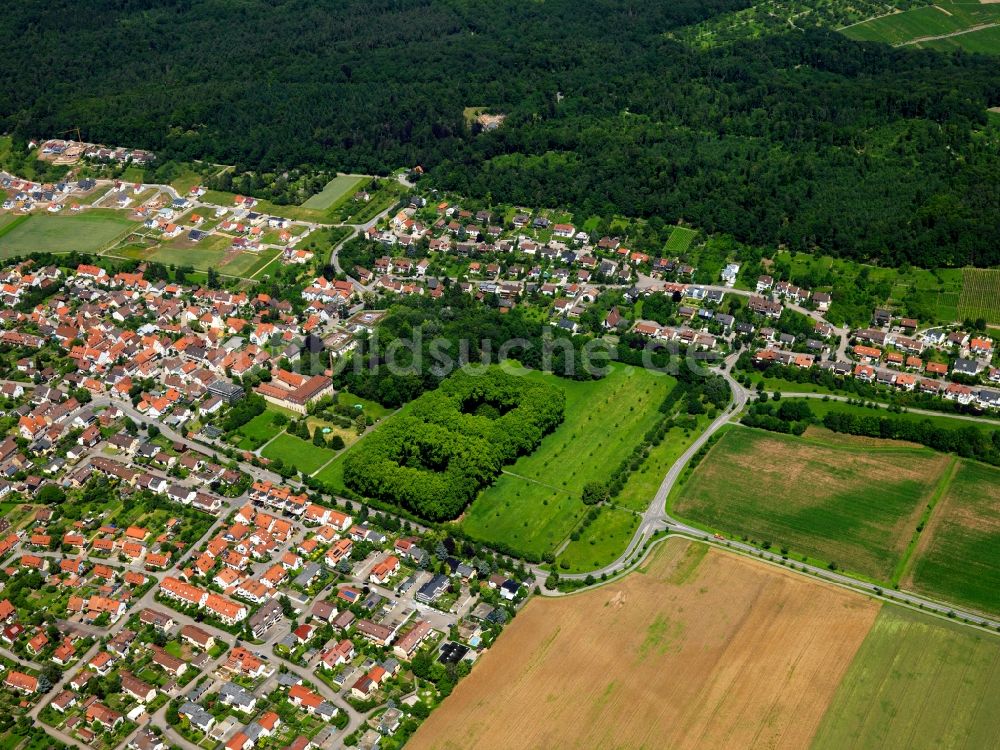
(917, 682)
(337, 188)
(703, 649)
(84, 232)
(980, 293)
(601, 542)
(680, 239)
(958, 557)
(535, 503)
(959, 23)
(259, 430)
(294, 451)
(249, 265)
(834, 500)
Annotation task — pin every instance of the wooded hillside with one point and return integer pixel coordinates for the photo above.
(807, 139)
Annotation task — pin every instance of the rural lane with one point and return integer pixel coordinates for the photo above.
(922, 412)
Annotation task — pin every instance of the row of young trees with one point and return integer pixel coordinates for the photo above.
(969, 441)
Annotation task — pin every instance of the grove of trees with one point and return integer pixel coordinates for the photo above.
(453, 441)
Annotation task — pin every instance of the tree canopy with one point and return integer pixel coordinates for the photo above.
(804, 138)
(453, 441)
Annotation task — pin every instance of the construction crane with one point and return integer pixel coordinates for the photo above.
(79, 137)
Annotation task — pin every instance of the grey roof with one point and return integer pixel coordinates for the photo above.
(234, 694)
(966, 366)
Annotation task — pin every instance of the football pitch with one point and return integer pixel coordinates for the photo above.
(84, 232)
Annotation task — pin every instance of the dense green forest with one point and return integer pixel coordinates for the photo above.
(805, 139)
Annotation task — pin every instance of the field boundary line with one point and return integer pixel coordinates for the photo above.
(261, 269)
(893, 12)
(944, 482)
(332, 459)
(857, 586)
(271, 440)
(533, 481)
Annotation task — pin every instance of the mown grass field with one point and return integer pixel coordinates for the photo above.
(600, 543)
(845, 500)
(917, 24)
(294, 451)
(337, 188)
(958, 557)
(535, 504)
(86, 232)
(917, 682)
(369, 408)
(212, 252)
(980, 294)
(259, 430)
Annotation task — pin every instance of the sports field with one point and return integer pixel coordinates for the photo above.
(961, 25)
(702, 649)
(337, 188)
(535, 503)
(980, 294)
(841, 500)
(917, 682)
(294, 451)
(63, 233)
(958, 556)
(212, 252)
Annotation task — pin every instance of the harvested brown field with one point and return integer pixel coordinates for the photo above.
(701, 649)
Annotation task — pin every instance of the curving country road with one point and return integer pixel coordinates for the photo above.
(655, 518)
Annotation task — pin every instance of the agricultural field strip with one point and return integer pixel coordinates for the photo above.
(980, 294)
(778, 512)
(926, 23)
(944, 483)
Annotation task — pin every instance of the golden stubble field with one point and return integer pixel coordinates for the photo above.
(702, 649)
